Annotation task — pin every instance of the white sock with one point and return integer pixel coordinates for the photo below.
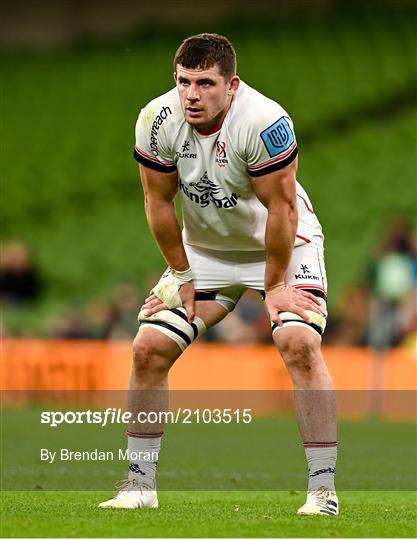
(143, 451)
(321, 460)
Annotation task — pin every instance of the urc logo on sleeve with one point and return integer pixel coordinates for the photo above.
(278, 138)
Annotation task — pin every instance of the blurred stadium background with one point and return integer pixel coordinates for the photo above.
(77, 258)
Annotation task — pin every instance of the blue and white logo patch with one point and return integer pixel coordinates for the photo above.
(278, 137)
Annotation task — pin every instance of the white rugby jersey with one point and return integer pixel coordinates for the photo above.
(220, 208)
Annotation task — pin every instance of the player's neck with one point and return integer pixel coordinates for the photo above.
(209, 131)
(217, 122)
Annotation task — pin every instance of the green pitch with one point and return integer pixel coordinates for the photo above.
(264, 455)
(253, 477)
(207, 514)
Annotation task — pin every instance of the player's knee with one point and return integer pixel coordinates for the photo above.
(299, 350)
(150, 357)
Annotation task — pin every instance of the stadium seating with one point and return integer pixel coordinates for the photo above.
(71, 185)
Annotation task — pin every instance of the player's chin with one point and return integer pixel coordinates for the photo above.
(193, 121)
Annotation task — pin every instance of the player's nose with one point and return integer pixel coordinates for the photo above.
(192, 93)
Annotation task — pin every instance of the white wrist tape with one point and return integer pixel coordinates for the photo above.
(184, 276)
(167, 288)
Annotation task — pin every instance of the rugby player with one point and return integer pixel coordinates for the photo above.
(231, 154)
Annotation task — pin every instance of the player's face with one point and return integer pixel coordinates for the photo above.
(205, 95)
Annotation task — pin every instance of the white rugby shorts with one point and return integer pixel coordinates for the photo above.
(224, 276)
(229, 274)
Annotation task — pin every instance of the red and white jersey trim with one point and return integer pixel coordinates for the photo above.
(277, 159)
(306, 204)
(152, 158)
(306, 240)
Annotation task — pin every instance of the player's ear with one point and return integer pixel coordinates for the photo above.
(175, 76)
(234, 84)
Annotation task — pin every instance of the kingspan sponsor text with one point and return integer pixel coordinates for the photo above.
(206, 197)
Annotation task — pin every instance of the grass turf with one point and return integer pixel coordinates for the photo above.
(239, 463)
(207, 514)
(246, 506)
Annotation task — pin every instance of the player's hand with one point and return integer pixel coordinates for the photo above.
(187, 294)
(286, 298)
(153, 304)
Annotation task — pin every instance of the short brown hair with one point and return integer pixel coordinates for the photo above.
(204, 51)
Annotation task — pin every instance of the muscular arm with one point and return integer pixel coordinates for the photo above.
(277, 192)
(159, 191)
